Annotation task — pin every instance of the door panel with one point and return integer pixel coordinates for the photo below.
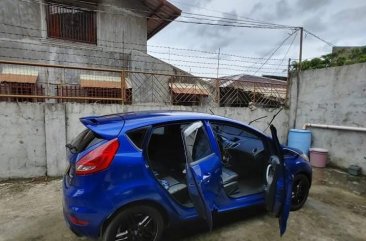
(279, 185)
(203, 170)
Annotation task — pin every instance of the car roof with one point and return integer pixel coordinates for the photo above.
(143, 118)
(133, 120)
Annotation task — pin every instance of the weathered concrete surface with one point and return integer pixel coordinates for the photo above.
(335, 210)
(333, 96)
(35, 134)
(24, 38)
(55, 135)
(23, 144)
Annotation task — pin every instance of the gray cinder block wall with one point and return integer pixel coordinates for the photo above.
(34, 134)
(333, 96)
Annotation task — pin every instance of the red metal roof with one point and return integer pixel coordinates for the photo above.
(162, 13)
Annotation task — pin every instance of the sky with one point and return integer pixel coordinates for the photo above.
(339, 22)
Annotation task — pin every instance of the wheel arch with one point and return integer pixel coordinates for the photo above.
(151, 203)
(306, 174)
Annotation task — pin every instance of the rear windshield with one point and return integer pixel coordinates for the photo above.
(84, 140)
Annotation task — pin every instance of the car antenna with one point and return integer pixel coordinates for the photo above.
(250, 122)
(211, 112)
(274, 116)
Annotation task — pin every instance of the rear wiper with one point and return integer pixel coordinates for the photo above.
(72, 148)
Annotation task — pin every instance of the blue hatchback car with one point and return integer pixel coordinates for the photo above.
(131, 175)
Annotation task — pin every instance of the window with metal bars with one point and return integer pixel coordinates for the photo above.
(71, 23)
(21, 92)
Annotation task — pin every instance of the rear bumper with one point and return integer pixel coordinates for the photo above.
(68, 223)
(82, 216)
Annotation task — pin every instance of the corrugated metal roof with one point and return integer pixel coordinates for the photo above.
(18, 78)
(96, 81)
(253, 78)
(191, 89)
(19, 75)
(251, 83)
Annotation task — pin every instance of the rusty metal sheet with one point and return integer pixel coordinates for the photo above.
(102, 84)
(18, 78)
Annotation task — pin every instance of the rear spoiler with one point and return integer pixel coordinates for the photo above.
(107, 127)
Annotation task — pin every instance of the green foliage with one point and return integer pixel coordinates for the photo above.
(342, 57)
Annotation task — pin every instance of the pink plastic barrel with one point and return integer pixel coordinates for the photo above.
(318, 157)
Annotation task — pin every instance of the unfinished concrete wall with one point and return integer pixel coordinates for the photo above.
(34, 134)
(23, 143)
(334, 96)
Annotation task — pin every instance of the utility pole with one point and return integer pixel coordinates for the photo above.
(298, 76)
(301, 44)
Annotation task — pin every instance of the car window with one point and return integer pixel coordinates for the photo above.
(197, 145)
(237, 142)
(137, 137)
(84, 140)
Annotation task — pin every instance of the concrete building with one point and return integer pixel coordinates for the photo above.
(108, 34)
(91, 32)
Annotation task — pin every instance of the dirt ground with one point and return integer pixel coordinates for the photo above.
(30, 210)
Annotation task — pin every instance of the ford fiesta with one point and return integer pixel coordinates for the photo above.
(131, 175)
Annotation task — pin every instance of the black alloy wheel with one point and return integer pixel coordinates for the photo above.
(138, 223)
(300, 191)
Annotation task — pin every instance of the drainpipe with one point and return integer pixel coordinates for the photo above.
(346, 128)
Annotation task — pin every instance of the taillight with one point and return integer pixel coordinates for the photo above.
(98, 159)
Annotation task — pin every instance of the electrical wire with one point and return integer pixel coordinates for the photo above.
(129, 43)
(319, 38)
(247, 25)
(288, 49)
(281, 44)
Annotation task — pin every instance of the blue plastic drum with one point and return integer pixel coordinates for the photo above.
(300, 139)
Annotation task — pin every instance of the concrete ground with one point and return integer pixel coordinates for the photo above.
(336, 210)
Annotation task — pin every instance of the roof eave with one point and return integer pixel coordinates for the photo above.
(160, 7)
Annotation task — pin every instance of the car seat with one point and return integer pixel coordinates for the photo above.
(230, 181)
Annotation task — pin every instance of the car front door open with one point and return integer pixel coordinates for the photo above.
(278, 189)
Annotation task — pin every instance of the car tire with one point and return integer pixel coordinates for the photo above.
(300, 191)
(135, 223)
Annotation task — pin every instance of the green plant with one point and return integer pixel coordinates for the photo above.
(339, 58)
